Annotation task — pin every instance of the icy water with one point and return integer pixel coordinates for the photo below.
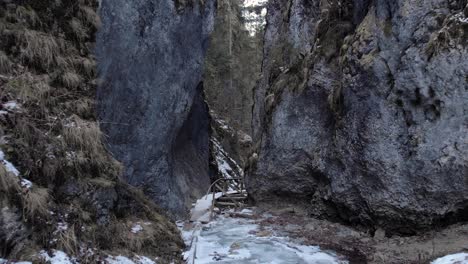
(238, 240)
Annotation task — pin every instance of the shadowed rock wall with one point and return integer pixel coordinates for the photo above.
(151, 55)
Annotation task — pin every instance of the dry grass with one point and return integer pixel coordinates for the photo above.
(38, 49)
(118, 238)
(29, 89)
(70, 79)
(67, 241)
(84, 137)
(78, 29)
(85, 66)
(8, 182)
(82, 107)
(28, 16)
(89, 16)
(5, 63)
(35, 202)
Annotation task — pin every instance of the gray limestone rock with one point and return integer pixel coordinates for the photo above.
(362, 111)
(150, 100)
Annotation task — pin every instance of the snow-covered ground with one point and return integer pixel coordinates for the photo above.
(460, 258)
(240, 241)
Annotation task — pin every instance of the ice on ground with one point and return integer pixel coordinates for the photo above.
(119, 260)
(4, 261)
(201, 211)
(58, 257)
(233, 240)
(459, 258)
(125, 260)
(136, 229)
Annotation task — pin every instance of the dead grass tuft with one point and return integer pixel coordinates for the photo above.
(152, 239)
(67, 241)
(28, 16)
(89, 16)
(85, 66)
(8, 182)
(85, 138)
(35, 202)
(38, 49)
(78, 30)
(70, 79)
(83, 135)
(5, 63)
(82, 107)
(32, 90)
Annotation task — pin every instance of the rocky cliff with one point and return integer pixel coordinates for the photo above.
(361, 114)
(150, 101)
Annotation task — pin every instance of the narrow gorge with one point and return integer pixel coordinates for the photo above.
(233, 131)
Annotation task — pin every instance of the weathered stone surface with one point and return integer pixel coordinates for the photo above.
(150, 101)
(362, 111)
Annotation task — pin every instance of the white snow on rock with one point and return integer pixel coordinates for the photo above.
(234, 240)
(57, 257)
(459, 258)
(223, 161)
(137, 228)
(8, 166)
(26, 184)
(11, 105)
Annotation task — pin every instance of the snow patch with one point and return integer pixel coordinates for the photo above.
(459, 258)
(137, 228)
(5, 261)
(8, 165)
(11, 106)
(224, 162)
(201, 211)
(58, 257)
(26, 184)
(125, 260)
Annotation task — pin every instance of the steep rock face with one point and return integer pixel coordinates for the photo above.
(361, 113)
(150, 100)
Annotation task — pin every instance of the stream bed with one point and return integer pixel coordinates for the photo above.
(242, 241)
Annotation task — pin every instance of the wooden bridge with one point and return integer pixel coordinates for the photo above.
(227, 193)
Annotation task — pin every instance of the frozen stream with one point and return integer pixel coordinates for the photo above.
(240, 240)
